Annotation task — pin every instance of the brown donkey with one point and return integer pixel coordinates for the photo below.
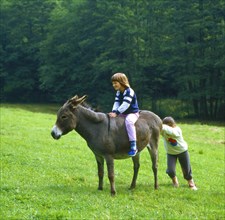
(107, 137)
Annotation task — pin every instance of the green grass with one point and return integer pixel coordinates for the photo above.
(42, 178)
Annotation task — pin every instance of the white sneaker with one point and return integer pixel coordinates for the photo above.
(193, 187)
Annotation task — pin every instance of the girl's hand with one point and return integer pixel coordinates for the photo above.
(112, 114)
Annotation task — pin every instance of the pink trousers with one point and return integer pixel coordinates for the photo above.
(130, 120)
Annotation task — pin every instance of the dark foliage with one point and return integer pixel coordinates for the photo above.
(51, 50)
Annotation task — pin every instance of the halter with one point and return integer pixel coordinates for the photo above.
(108, 122)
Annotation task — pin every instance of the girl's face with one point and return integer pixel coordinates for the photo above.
(117, 86)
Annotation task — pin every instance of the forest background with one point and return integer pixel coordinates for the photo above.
(172, 52)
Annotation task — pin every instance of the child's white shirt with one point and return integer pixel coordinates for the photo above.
(173, 140)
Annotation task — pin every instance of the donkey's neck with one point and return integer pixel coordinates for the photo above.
(89, 122)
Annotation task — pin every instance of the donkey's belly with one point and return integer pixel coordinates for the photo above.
(124, 153)
(121, 156)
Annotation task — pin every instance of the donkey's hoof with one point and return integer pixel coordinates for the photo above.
(132, 187)
(113, 193)
(100, 188)
(156, 187)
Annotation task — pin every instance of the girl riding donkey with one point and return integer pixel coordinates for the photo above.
(126, 105)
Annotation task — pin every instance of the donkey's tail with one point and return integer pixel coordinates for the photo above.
(149, 146)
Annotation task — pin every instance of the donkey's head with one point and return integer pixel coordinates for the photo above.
(66, 119)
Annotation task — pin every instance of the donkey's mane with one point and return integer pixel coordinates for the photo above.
(91, 114)
(90, 107)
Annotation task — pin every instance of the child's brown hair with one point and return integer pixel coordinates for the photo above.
(169, 121)
(121, 78)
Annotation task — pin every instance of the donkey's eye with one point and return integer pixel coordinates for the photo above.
(63, 117)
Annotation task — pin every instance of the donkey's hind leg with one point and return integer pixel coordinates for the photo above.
(153, 151)
(136, 165)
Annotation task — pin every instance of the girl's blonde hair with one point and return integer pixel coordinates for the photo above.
(169, 121)
(121, 78)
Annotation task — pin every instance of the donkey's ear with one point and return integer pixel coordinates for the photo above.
(76, 101)
(82, 99)
(74, 98)
(72, 101)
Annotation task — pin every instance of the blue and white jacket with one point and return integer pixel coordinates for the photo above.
(126, 102)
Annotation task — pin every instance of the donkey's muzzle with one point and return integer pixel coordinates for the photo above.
(56, 132)
(55, 136)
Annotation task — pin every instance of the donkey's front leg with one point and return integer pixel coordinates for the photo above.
(110, 168)
(100, 164)
(136, 165)
(154, 156)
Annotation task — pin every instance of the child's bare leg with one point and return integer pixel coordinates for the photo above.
(175, 182)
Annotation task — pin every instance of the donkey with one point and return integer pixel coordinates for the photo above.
(107, 137)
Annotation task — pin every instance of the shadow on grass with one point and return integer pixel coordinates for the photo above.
(53, 109)
(36, 108)
(87, 189)
(201, 122)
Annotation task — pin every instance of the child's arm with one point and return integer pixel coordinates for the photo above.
(115, 106)
(171, 131)
(123, 107)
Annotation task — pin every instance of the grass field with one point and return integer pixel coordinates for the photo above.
(42, 178)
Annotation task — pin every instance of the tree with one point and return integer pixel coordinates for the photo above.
(194, 31)
(23, 25)
(54, 49)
